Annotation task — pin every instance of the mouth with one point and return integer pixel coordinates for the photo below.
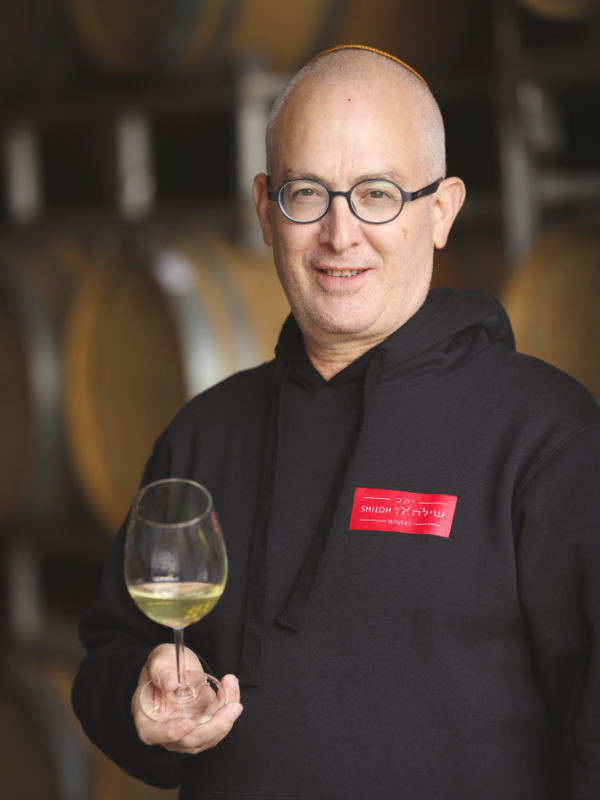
(342, 273)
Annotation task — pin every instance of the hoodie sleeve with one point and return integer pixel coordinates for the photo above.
(558, 554)
(119, 638)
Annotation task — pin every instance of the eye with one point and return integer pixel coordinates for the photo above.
(375, 195)
(300, 194)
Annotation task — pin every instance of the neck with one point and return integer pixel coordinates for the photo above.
(330, 359)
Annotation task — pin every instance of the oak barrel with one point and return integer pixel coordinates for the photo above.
(149, 329)
(561, 10)
(38, 274)
(180, 37)
(553, 302)
(25, 761)
(424, 34)
(35, 50)
(44, 754)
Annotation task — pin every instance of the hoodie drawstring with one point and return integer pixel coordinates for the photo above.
(254, 619)
(298, 601)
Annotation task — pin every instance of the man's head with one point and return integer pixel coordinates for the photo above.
(362, 66)
(348, 116)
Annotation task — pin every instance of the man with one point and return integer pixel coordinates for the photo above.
(407, 504)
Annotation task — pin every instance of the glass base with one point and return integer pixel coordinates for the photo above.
(207, 696)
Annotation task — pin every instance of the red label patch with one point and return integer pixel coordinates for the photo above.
(383, 510)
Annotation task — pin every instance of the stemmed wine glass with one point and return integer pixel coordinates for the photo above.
(175, 571)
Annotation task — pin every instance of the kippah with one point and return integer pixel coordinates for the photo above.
(372, 50)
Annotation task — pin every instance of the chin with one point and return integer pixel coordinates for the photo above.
(342, 325)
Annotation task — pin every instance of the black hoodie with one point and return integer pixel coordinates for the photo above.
(414, 586)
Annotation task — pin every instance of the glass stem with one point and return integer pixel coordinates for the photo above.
(183, 690)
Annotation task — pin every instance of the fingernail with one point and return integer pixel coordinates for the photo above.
(165, 678)
(205, 718)
(234, 710)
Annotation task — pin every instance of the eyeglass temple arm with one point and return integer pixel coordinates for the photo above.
(272, 195)
(431, 189)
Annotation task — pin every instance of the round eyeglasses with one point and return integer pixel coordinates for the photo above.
(374, 201)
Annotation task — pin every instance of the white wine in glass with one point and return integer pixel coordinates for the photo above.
(175, 571)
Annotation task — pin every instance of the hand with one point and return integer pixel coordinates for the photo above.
(182, 736)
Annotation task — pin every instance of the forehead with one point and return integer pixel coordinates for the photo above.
(347, 131)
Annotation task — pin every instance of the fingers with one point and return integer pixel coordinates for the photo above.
(162, 666)
(202, 737)
(181, 735)
(167, 734)
(232, 688)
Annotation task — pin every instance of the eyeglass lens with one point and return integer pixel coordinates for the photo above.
(373, 201)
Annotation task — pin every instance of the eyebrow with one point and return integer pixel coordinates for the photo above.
(386, 175)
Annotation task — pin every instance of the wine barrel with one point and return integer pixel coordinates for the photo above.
(561, 10)
(43, 752)
(35, 51)
(148, 330)
(424, 34)
(25, 761)
(36, 279)
(179, 37)
(553, 302)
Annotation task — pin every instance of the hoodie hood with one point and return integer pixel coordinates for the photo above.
(438, 337)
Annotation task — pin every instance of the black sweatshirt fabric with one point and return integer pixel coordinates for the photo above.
(384, 664)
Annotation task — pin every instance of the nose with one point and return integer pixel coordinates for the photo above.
(340, 228)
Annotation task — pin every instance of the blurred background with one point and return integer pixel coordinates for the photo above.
(133, 275)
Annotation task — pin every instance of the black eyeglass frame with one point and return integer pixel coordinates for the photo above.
(407, 197)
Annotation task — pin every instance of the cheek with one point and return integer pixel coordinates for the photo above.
(416, 234)
(288, 260)
(406, 251)
(392, 246)
(291, 244)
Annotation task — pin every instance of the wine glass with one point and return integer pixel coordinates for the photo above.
(175, 571)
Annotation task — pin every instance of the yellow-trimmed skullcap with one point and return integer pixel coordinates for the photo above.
(372, 50)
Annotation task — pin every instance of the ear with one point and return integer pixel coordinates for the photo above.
(263, 209)
(447, 202)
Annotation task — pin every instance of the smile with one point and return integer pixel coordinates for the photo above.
(342, 273)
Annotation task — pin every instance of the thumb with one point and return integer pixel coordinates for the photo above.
(162, 671)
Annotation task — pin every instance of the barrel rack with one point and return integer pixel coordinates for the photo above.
(251, 94)
(528, 128)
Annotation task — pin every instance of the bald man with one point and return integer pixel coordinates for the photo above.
(408, 506)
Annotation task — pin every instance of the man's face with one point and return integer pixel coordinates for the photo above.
(340, 135)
